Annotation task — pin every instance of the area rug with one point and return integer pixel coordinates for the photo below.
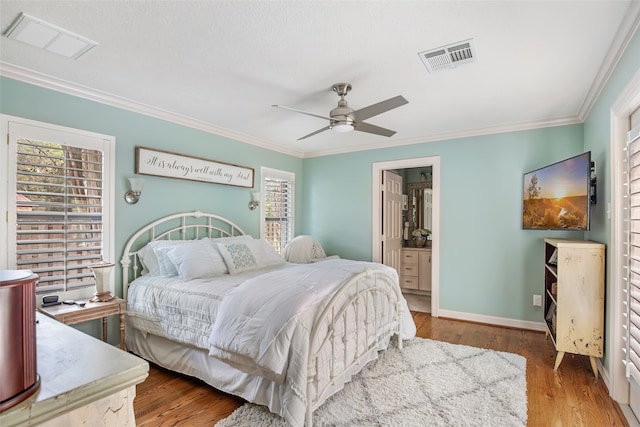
(428, 383)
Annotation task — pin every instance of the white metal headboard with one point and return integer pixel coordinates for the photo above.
(181, 226)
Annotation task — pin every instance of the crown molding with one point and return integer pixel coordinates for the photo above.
(470, 133)
(49, 82)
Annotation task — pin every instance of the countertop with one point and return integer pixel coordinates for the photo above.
(75, 369)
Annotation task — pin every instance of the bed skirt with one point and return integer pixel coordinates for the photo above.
(196, 362)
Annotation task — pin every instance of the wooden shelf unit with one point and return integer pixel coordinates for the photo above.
(574, 298)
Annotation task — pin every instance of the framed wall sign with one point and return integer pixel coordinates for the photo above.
(173, 165)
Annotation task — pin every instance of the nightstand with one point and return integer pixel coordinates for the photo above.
(72, 314)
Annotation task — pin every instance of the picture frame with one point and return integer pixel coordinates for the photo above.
(167, 164)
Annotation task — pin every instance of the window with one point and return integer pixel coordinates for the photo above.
(277, 207)
(59, 203)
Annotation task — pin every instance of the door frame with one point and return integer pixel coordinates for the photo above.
(628, 101)
(376, 215)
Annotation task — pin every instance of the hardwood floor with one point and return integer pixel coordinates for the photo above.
(572, 397)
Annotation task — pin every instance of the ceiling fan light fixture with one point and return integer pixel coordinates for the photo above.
(343, 127)
(345, 119)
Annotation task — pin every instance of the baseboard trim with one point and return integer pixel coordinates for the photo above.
(629, 415)
(492, 320)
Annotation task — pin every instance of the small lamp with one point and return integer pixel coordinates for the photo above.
(132, 196)
(101, 272)
(255, 202)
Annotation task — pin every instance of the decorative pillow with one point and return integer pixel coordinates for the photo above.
(238, 257)
(197, 259)
(148, 256)
(166, 267)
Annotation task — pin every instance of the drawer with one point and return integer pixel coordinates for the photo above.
(409, 282)
(409, 270)
(410, 257)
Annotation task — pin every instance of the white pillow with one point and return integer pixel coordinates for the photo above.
(197, 259)
(151, 264)
(148, 256)
(264, 253)
(238, 257)
(166, 267)
(249, 255)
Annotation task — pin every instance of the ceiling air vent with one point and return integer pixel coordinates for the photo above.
(41, 34)
(449, 56)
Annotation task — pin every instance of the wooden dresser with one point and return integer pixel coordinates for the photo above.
(84, 381)
(415, 270)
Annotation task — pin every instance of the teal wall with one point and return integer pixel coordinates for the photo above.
(489, 265)
(161, 196)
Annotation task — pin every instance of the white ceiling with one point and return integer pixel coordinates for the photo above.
(220, 65)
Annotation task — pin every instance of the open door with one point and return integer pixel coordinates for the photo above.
(380, 217)
(391, 239)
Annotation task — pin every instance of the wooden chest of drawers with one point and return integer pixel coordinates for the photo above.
(415, 269)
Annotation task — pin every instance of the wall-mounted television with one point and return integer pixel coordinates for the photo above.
(559, 196)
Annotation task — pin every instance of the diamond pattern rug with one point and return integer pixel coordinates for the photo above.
(428, 383)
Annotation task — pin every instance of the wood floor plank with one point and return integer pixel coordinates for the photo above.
(570, 397)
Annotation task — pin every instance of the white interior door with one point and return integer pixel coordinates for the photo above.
(391, 219)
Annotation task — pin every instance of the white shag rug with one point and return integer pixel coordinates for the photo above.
(428, 383)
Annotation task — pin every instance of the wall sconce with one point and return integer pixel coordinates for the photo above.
(255, 202)
(132, 196)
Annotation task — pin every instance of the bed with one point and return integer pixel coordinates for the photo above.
(208, 301)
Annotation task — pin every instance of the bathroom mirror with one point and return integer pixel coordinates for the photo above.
(419, 208)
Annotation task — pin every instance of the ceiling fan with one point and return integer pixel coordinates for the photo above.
(345, 119)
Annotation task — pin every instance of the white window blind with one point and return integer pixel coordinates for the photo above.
(59, 214)
(278, 207)
(632, 257)
(59, 202)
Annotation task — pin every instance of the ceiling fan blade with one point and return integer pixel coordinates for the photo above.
(316, 132)
(302, 112)
(366, 127)
(379, 108)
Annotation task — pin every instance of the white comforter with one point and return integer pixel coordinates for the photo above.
(263, 325)
(197, 312)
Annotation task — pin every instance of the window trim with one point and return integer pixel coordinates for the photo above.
(265, 173)
(60, 134)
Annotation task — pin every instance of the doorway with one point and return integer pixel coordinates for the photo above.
(377, 220)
